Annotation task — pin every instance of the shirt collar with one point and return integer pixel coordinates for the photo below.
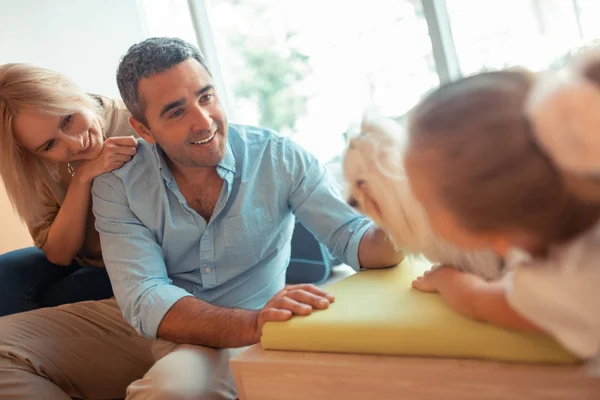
(227, 163)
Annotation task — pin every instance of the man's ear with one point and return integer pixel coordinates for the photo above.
(141, 130)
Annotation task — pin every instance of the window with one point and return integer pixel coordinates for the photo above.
(492, 34)
(167, 18)
(308, 68)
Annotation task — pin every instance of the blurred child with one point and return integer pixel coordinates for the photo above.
(510, 161)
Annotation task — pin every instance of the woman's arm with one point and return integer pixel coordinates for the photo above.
(67, 232)
(473, 297)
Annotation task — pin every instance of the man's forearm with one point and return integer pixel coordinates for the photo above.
(376, 250)
(192, 321)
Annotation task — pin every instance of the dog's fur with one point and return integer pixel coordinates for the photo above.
(379, 188)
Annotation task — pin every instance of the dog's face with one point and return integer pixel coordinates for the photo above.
(376, 151)
(378, 187)
(377, 183)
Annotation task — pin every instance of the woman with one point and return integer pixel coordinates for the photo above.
(54, 140)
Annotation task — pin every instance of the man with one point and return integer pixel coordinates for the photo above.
(195, 232)
(196, 229)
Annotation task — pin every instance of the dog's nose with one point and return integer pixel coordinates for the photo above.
(352, 202)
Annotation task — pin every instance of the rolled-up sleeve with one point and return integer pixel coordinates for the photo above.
(133, 258)
(315, 198)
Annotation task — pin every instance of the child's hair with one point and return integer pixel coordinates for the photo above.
(498, 140)
(22, 87)
(380, 189)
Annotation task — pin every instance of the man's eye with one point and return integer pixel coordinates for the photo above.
(206, 98)
(176, 113)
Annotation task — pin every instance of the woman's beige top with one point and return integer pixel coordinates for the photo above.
(116, 123)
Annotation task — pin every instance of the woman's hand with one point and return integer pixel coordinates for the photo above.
(115, 153)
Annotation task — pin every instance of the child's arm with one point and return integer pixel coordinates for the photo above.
(473, 297)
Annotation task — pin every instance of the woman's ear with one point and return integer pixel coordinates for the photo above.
(141, 130)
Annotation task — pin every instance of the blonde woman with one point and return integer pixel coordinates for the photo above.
(54, 140)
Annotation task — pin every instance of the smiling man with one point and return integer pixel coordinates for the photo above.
(196, 229)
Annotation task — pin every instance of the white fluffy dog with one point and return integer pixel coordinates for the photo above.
(379, 188)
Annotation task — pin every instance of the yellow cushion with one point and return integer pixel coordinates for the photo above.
(377, 312)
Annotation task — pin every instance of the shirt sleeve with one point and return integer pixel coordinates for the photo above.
(316, 201)
(133, 259)
(561, 295)
(39, 228)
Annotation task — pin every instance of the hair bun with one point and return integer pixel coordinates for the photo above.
(564, 107)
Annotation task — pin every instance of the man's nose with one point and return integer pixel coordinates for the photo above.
(202, 119)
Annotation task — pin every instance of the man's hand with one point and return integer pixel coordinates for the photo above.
(292, 300)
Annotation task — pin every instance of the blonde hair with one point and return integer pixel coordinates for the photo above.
(26, 87)
(488, 167)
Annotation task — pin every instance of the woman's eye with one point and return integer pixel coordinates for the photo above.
(49, 146)
(66, 120)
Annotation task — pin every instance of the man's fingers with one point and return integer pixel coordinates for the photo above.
(276, 314)
(311, 299)
(312, 289)
(296, 307)
(295, 300)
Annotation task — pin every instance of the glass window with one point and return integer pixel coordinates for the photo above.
(307, 68)
(587, 14)
(167, 18)
(492, 34)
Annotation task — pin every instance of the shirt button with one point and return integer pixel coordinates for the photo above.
(207, 270)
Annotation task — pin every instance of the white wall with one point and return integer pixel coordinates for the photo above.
(83, 39)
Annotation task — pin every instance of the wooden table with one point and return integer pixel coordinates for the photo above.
(285, 375)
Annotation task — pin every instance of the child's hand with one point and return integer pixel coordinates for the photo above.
(473, 297)
(428, 282)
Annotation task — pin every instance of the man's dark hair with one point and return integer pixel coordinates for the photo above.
(153, 55)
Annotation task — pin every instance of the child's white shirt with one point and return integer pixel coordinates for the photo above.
(561, 293)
